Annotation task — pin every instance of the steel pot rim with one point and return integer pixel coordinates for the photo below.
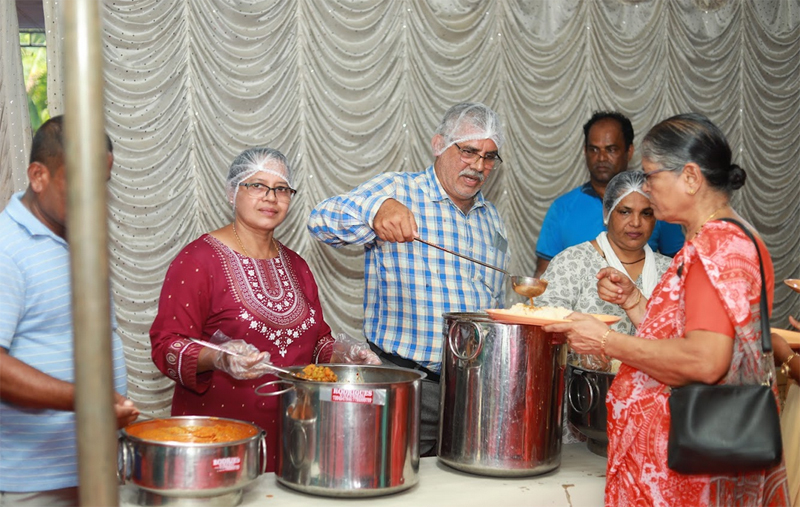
(166, 443)
(288, 379)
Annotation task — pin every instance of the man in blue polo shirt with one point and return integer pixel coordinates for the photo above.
(38, 451)
(577, 216)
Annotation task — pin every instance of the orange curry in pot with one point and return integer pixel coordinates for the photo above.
(167, 430)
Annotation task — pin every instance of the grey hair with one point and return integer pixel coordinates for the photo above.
(692, 137)
(478, 120)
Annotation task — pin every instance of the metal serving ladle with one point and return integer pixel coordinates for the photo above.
(526, 286)
(225, 351)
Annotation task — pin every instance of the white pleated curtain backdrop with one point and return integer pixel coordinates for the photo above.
(352, 89)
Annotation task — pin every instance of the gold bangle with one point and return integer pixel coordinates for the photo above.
(603, 343)
(786, 368)
(634, 304)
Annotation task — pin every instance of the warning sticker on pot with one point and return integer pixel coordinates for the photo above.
(365, 396)
(231, 464)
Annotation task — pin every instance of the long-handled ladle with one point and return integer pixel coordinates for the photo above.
(527, 286)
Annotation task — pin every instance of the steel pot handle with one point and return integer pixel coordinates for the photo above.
(262, 453)
(477, 348)
(124, 455)
(297, 453)
(592, 388)
(276, 393)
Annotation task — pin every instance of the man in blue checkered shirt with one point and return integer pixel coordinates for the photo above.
(409, 285)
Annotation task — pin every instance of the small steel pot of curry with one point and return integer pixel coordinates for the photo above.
(178, 458)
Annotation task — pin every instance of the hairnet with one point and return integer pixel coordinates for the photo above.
(468, 121)
(255, 160)
(620, 186)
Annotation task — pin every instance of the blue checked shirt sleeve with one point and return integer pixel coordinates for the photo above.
(12, 302)
(347, 219)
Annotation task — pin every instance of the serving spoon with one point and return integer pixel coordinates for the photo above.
(236, 354)
(526, 286)
(793, 283)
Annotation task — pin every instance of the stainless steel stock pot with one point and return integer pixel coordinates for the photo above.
(186, 473)
(356, 437)
(502, 388)
(586, 404)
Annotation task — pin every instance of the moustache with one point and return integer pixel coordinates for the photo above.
(470, 173)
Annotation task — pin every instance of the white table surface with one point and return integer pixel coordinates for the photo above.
(578, 482)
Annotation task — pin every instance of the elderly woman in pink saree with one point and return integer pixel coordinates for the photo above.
(701, 324)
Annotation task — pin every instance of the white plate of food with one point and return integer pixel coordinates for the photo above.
(541, 316)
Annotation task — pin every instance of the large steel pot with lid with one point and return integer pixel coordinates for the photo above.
(356, 437)
(502, 388)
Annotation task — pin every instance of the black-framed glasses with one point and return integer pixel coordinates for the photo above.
(470, 156)
(259, 190)
(647, 176)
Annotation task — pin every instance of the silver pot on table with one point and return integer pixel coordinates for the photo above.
(183, 474)
(502, 388)
(586, 404)
(357, 437)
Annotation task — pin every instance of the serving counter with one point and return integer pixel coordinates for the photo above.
(578, 482)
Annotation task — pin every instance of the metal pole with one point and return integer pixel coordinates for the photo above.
(87, 234)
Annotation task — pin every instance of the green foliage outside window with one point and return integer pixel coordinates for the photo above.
(34, 68)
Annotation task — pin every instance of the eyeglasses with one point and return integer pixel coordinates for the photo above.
(647, 176)
(470, 156)
(259, 190)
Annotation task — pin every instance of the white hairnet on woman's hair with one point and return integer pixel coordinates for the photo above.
(252, 161)
(468, 121)
(620, 186)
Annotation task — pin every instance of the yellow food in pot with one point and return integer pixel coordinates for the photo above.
(318, 373)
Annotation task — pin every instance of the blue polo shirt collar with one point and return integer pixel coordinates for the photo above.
(589, 190)
(27, 220)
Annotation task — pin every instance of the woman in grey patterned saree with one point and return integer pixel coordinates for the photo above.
(630, 221)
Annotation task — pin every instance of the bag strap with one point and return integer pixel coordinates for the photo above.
(766, 338)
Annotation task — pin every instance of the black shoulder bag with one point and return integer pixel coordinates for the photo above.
(723, 429)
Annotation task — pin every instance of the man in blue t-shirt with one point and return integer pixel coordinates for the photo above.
(577, 216)
(38, 448)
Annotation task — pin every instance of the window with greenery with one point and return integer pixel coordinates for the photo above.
(34, 67)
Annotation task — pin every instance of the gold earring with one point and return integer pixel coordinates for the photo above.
(692, 191)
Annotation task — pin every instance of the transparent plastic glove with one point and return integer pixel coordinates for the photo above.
(248, 363)
(348, 350)
(594, 362)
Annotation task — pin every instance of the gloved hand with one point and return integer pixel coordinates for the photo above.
(348, 350)
(248, 363)
(594, 362)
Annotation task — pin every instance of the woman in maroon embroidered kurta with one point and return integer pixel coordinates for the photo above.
(240, 281)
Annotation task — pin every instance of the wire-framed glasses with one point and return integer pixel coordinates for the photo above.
(259, 190)
(470, 156)
(647, 175)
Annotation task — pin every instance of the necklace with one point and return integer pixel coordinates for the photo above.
(244, 250)
(239, 241)
(603, 255)
(712, 215)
